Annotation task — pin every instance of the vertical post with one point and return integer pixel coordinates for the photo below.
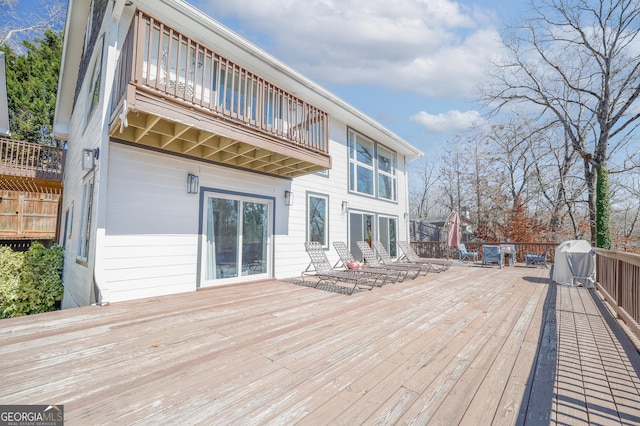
(20, 213)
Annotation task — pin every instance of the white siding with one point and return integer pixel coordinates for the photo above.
(145, 227)
(151, 241)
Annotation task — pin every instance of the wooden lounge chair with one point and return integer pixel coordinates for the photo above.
(347, 261)
(386, 260)
(372, 259)
(326, 274)
(438, 265)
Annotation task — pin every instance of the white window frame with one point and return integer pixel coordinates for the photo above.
(84, 235)
(95, 84)
(387, 219)
(387, 153)
(87, 33)
(310, 195)
(377, 173)
(68, 225)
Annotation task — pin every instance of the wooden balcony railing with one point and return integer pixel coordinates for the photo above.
(439, 250)
(30, 160)
(618, 278)
(159, 59)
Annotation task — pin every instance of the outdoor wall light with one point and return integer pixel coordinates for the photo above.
(406, 216)
(192, 183)
(288, 198)
(345, 206)
(89, 157)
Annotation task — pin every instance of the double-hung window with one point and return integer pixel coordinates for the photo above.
(372, 168)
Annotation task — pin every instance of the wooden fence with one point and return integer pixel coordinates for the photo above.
(618, 278)
(28, 215)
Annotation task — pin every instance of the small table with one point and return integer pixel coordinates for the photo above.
(509, 252)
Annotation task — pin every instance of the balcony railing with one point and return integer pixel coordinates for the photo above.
(159, 59)
(618, 277)
(30, 160)
(439, 250)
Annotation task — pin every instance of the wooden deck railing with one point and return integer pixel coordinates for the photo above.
(26, 159)
(158, 58)
(618, 278)
(439, 250)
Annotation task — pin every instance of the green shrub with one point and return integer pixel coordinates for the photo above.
(10, 265)
(31, 282)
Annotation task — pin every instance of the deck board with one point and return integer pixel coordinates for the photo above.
(470, 346)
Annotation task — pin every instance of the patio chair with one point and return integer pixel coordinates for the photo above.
(466, 254)
(492, 254)
(438, 265)
(325, 273)
(372, 259)
(347, 261)
(537, 259)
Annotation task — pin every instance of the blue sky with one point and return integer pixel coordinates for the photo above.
(413, 65)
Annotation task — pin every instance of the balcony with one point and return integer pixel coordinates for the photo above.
(30, 190)
(30, 167)
(174, 95)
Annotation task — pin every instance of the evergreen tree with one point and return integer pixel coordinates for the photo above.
(32, 83)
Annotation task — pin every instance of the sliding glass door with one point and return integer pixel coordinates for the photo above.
(236, 239)
(362, 227)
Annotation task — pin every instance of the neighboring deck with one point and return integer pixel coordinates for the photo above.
(467, 346)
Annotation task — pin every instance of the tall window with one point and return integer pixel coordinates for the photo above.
(85, 225)
(68, 225)
(372, 168)
(317, 228)
(386, 174)
(93, 92)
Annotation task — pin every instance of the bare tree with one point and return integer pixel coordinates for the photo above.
(20, 25)
(577, 61)
(423, 197)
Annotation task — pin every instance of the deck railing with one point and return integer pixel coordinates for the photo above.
(27, 159)
(158, 58)
(439, 250)
(618, 278)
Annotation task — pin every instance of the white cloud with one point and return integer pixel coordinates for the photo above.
(451, 122)
(434, 47)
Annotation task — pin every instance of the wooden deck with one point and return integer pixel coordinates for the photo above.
(472, 346)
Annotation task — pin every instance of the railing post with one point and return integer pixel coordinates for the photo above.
(619, 280)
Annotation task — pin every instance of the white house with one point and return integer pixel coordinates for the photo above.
(195, 159)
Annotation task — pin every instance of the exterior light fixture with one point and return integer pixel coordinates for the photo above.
(192, 183)
(89, 157)
(406, 216)
(288, 198)
(345, 206)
